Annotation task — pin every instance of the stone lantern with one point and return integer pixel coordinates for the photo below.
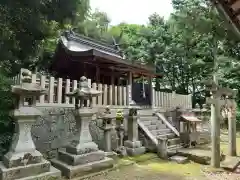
(107, 127)
(23, 160)
(82, 155)
(133, 145)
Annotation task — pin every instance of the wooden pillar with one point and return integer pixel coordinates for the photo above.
(129, 88)
(111, 90)
(152, 92)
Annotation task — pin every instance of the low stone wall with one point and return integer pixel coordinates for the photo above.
(56, 128)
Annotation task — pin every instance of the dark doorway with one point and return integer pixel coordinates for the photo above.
(138, 94)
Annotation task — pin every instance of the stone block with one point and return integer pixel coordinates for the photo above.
(52, 174)
(72, 159)
(23, 171)
(12, 159)
(135, 151)
(132, 144)
(75, 148)
(82, 170)
(230, 163)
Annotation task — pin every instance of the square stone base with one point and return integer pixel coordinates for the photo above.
(72, 159)
(135, 151)
(30, 171)
(82, 170)
(134, 148)
(52, 174)
(75, 148)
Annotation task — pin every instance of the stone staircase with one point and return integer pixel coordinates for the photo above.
(152, 127)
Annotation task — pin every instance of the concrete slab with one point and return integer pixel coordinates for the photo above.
(230, 163)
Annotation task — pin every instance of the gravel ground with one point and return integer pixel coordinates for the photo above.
(137, 172)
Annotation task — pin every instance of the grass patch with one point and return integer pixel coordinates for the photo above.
(189, 169)
(142, 158)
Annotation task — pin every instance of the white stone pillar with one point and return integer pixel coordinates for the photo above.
(129, 88)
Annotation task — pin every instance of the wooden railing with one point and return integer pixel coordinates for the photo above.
(112, 95)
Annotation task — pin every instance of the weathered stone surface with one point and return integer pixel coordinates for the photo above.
(56, 128)
(179, 159)
(72, 159)
(52, 174)
(201, 156)
(13, 159)
(82, 148)
(23, 171)
(135, 151)
(82, 170)
(230, 163)
(132, 144)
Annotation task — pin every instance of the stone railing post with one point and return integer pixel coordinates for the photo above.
(133, 145)
(121, 150)
(162, 147)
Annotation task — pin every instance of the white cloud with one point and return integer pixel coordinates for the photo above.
(132, 11)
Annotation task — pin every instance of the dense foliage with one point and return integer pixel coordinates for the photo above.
(182, 47)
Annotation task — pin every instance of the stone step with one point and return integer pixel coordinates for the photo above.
(161, 126)
(143, 113)
(168, 135)
(152, 127)
(173, 149)
(24, 171)
(173, 141)
(161, 131)
(148, 118)
(146, 123)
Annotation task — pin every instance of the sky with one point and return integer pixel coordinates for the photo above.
(132, 11)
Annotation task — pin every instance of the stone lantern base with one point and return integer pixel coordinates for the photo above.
(39, 171)
(134, 148)
(82, 156)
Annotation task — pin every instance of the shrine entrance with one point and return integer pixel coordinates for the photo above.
(141, 94)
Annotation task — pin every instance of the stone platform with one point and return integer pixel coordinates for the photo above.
(42, 170)
(71, 171)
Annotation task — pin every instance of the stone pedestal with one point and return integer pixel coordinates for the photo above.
(121, 150)
(82, 155)
(107, 128)
(162, 147)
(133, 145)
(23, 161)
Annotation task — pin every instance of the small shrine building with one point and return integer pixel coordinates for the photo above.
(77, 56)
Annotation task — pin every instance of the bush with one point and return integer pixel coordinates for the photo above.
(6, 121)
